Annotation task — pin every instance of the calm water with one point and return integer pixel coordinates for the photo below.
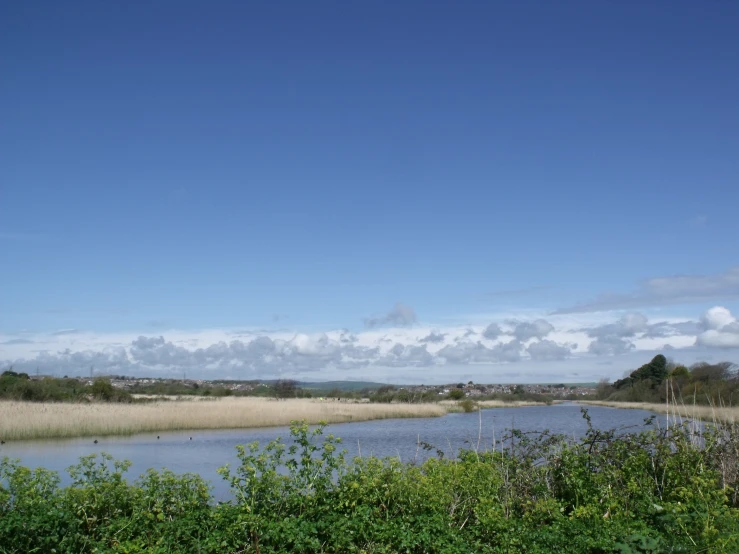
(209, 450)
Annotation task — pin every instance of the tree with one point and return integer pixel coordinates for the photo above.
(286, 388)
(102, 390)
(604, 389)
(456, 394)
(680, 372)
(655, 371)
(704, 371)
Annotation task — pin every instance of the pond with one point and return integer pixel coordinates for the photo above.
(203, 452)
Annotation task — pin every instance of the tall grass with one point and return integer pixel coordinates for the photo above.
(25, 420)
(457, 405)
(679, 410)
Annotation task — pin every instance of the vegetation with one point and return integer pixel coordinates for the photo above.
(660, 380)
(19, 386)
(520, 395)
(468, 406)
(455, 394)
(286, 388)
(118, 388)
(678, 413)
(389, 393)
(648, 492)
(30, 420)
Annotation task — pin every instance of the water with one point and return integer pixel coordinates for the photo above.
(203, 452)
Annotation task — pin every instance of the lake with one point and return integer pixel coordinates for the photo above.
(203, 452)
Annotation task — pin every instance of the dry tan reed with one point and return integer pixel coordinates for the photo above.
(684, 411)
(504, 404)
(27, 420)
(453, 405)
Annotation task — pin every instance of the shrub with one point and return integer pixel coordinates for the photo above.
(468, 405)
(455, 394)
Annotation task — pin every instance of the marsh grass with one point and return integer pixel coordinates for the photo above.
(26, 420)
(678, 410)
(456, 406)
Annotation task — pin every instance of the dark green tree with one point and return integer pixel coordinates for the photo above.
(285, 388)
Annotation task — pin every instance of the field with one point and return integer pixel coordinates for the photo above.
(679, 411)
(29, 420)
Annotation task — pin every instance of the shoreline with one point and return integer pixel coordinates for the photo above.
(729, 415)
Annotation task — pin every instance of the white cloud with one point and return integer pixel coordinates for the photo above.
(721, 329)
(526, 330)
(610, 346)
(716, 318)
(548, 350)
(627, 325)
(477, 352)
(492, 331)
(434, 336)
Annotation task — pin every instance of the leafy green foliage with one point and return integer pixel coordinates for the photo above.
(19, 386)
(654, 372)
(611, 492)
(468, 405)
(456, 394)
(703, 383)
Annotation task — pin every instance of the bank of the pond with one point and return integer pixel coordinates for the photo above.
(679, 411)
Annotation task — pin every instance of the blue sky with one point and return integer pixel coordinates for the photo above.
(289, 170)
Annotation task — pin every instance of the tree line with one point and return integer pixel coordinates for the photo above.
(659, 380)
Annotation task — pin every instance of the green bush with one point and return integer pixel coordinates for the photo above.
(468, 405)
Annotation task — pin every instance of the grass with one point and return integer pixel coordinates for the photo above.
(27, 420)
(680, 411)
(454, 405)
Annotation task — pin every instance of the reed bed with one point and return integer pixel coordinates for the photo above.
(721, 414)
(27, 420)
(504, 404)
(453, 405)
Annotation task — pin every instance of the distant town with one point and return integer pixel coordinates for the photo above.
(184, 386)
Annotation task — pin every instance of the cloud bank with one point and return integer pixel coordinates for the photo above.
(512, 349)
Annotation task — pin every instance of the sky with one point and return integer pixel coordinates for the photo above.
(388, 191)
